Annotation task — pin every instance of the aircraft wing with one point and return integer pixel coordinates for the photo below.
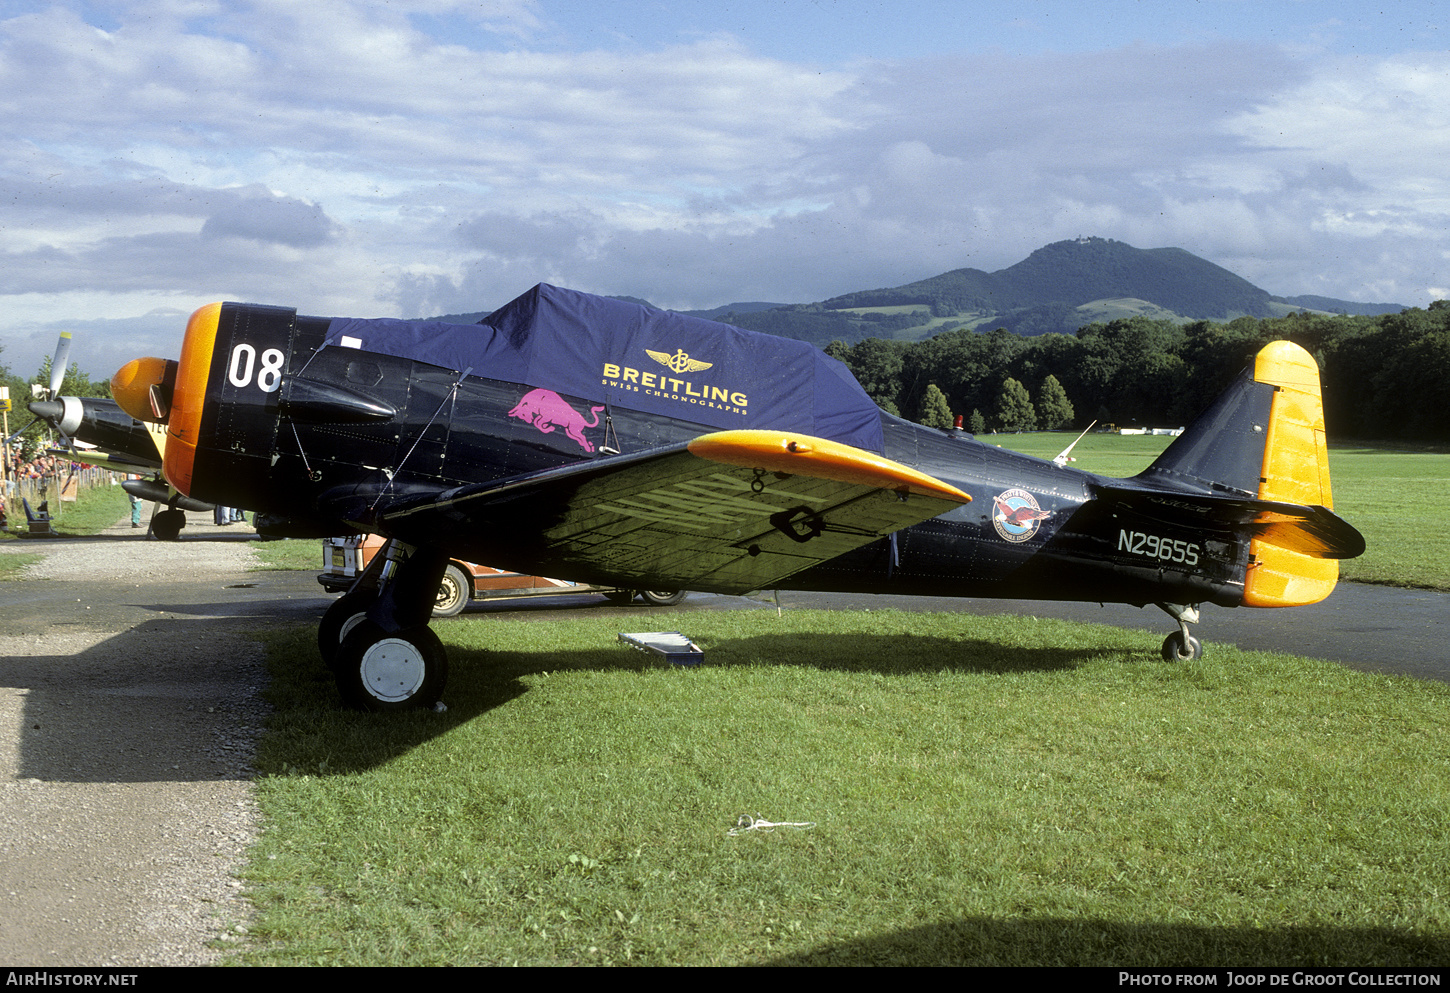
(117, 461)
(728, 512)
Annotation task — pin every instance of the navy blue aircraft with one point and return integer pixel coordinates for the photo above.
(606, 442)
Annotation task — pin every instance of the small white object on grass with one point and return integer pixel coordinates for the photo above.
(746, 823)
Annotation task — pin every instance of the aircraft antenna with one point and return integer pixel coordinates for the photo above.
(1062, 457)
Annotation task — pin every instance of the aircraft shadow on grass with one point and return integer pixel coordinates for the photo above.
(1060, 941)
(483, 680)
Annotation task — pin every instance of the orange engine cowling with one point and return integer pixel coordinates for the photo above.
(173, 393)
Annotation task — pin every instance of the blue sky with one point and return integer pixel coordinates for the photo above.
(837, 32)
(431, 156)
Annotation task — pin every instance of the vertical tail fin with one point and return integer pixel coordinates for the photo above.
(1295, 470)
(1263, 439)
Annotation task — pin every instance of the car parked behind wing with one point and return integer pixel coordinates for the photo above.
(344, 559)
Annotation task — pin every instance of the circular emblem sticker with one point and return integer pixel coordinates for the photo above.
(1016, 515)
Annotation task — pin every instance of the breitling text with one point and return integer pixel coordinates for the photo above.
(658, 384)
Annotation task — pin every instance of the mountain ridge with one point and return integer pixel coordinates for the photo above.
(1057, 288)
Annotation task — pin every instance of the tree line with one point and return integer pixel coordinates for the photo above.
(1384, 377)
(75, 383)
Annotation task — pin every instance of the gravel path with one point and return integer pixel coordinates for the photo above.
(126, 804)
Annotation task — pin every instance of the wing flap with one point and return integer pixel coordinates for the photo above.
(729, 512)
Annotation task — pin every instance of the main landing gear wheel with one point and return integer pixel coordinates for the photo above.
(346, 613)
(663, 598)
(453, 593)
(1175, 649)
(167, 525)
(379, 671)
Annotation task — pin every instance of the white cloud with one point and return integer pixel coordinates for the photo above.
(428, 157)
(262, 216)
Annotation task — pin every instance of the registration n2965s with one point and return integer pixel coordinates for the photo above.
(1153, 546)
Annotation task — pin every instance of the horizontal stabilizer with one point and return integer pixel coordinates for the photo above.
(1263, 445)
(1316, 532)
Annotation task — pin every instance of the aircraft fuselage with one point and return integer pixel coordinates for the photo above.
(288, 427)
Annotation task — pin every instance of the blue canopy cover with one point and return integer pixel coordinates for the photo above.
(627, 355)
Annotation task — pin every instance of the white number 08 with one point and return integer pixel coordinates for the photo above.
(269, 377)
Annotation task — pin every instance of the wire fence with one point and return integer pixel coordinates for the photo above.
(36, 490)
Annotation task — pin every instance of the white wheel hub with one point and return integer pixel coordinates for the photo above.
(349, 624)
(393, 670)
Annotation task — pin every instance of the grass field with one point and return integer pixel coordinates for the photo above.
(994, 791)
(288, 553)
(12, 564)
(1003, 791)
(1399, 499)
(96, 508)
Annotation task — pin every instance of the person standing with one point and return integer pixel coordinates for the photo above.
(135, 504)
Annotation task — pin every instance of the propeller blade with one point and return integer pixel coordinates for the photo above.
(58, 364)
(17, 434)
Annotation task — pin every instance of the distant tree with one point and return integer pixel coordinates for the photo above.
(1014, 408)
(876, 363)
(978, 423)
(1054, 410)
(934, 412)
(75, 383)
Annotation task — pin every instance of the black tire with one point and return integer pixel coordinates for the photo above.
(663, 598)
(454, 593)
(167, 525)
(346, 613)
(1174, 650)
(620, 596)
(377, 671)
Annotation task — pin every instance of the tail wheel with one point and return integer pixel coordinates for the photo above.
(663, 598)
(378, 671)
(1177, 649)
(453, 593)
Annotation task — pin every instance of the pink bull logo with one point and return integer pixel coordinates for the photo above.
(547, 410)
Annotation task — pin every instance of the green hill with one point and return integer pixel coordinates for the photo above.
(1057, 289)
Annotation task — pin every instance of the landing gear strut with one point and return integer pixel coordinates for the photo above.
(1181, 646)
(376, 639)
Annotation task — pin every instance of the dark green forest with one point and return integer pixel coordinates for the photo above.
(1384, 377)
